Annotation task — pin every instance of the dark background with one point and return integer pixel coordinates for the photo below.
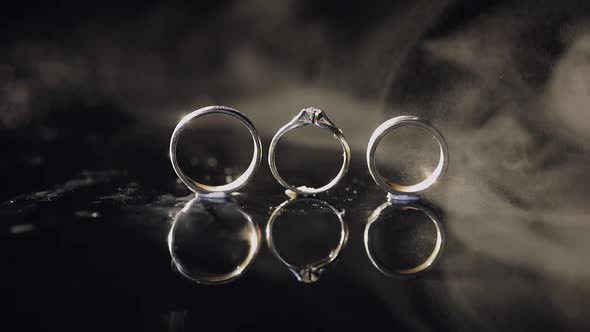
(91, 91)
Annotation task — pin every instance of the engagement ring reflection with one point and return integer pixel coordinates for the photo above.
(403, 240)
(212, 242)
(309, 228)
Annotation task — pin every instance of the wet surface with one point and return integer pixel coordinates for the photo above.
(127, 248)
(97, 233)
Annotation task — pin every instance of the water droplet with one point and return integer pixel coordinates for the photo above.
(212, 162)
(17, 229)
(87, 214)
(35, 160)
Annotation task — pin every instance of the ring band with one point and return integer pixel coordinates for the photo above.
(200, 188)
(399, 189)
(312, 271)
(316, 117)
(413, 271)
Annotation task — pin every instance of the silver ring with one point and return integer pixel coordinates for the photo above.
(399, 189)
(316, 117)
(200, 188)
(312, 271)
(198, 205)
(413, 271)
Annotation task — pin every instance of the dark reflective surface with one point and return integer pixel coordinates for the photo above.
(90, 94)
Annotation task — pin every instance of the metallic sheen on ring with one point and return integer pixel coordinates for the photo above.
(316, 117)
(399, 189)
(200, 188)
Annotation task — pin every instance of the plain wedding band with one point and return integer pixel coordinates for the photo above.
(399, 189)
(241, 181)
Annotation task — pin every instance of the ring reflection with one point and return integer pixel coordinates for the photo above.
(301, 231)
(403, 240)
(212, 242)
